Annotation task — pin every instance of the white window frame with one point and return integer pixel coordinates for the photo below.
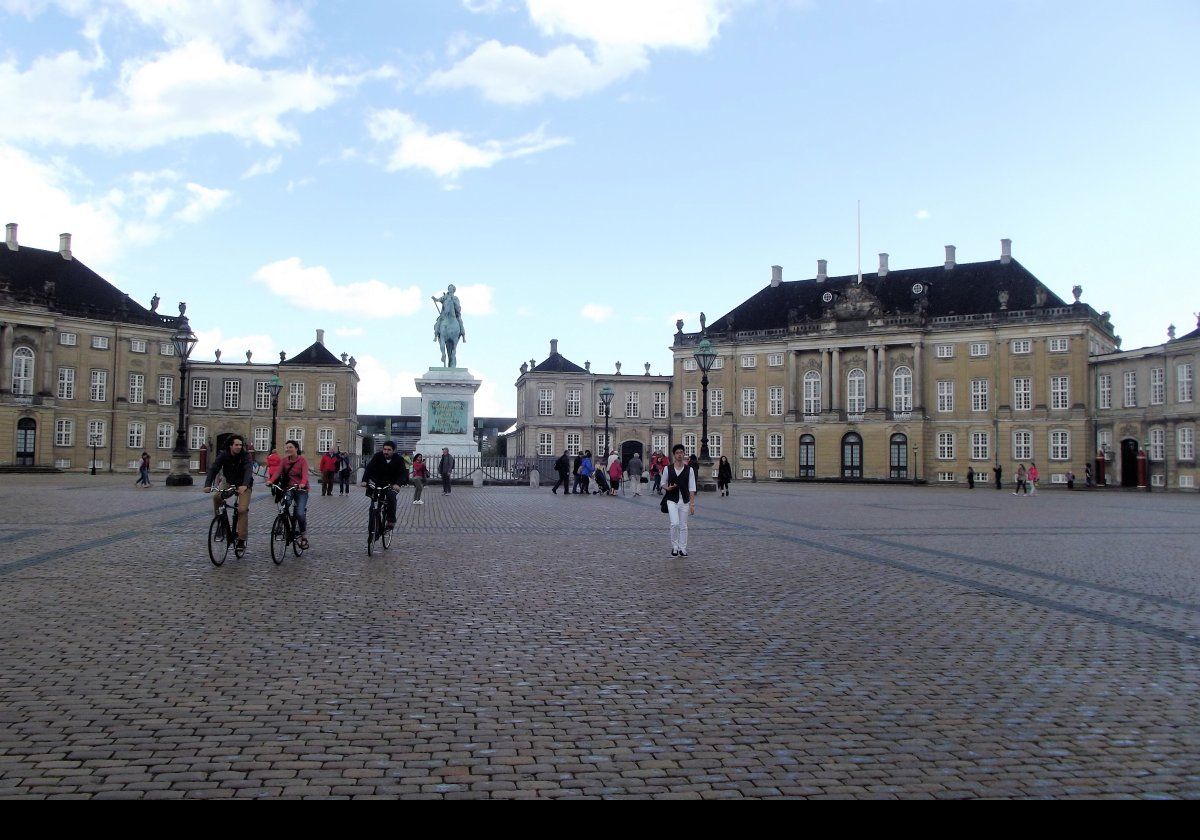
(262, 395)
(691, 402)
(574, 443)
(97, 429)
(715, 447)
(100, 342)
(812, 393)
(775, 445)
(295, 433)
(601, 411)
(659, 442)
(1184, 383)
(545, 402)
(166, 348)
(980, 391)
(137, 388)
(1022, 397)
(327, 396)
(1022, 445)
(165, 436)
(1158, 386)
(295, 396)
(716, 402)
(1058, 345)
(575, 402)
(199, 393)
(64, 432)
(750, 360)
(774, 360)
(603, 444)
(943, 351)
(1185, 443)
(660, 404)
(1104, 391)
(775, 401)
(98, 386)
(902, 390)
(689, 444)
(981, 446)
(979, 349)
(856, 391)
(231, 393)
(22, 371)
(749, 446)
(689, 364)
(166, 390)
(633, 404)
(1021, 346)
(1158, 444)
(1130, 383)
(137, 345)
(68, 339)
(325, 440)
(545, 444)
(1060, 445)
(66, 383)
(749, 402)
(1104, 440)
(137, 434)
(197, 436)
(945, 446)
(1060, 393)
(945, 396)
(260, 438)
(718, 363)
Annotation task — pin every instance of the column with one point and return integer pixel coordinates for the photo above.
(6, 351)
(881, 380)
(918, 378)
(826, 402)
(793, 378)
(872, 404)
(835, 381)
(49, 374)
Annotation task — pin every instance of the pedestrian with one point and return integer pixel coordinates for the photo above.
(1070, 480)
(999, 471)
(970, 478)
(680, 499)
(446, 469)
(576, 464)
(420, 474)
(1033, 478)
(655, 473)
(724, 475)
(614, 477)
(1088, 480)
(294, 473)
(563, 467)
(343, 472)
(327, 467)
(144, 471)
(585, 472)
(635, 473)
(1021, 483)
(274, 468)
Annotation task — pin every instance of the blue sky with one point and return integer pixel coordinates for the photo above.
(590, 171)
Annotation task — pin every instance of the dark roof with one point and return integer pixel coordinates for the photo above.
(1193, 334)
(966, 289)
(558, 363)
(77, 290)
(314, 354)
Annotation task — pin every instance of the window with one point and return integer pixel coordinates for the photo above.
(690, 397)
(603, 444)
(979, 395)
(601, 411)
(1104, 440)
(166, 436)
(944, 351)
(545, 445)
(197, 437)
(1104, 390)
(66, 383)
(749, 445)
(718, 363)
(262, 395)
(1185, 438)
(98, 391)
(945, 446)
(166, 348)
(946, 477)
(660, 404)
(902, 387)
(1158, 386)
(981, 446)
(296, 396)
(1060, 445)
(199, 393)
(137, 435)
(658, 443)
(1060, 392)
(716, 402)
(749, 402)
(945, 395)
(1158, 444)
(979, 348)
(774, 445)
(689, 444)
(575, 402)
(1130, 389)
(812, 393)
(574, 443)
(545, 402)
(261, 438)
(749, 361)
(324, 440)
(1021, 346)
(856, 392)
(715, 448)
(1022, 393)
(68, 339)
(96, 432)
(64, 432)
(689, 364)
(232, 393)
(327, 397)
(1022, 445)
(633, 404)
(297, 434)
(1059, 345)
(775, 473)
(808, 456)
(137, 388)
(166, 390)
(774, 360)
(775, 400)
(99, 342)
(137, 345)
(22, 376)
(1183, 383)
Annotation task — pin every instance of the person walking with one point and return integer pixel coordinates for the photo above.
(1088, 481)
(420, 474)
(1021, 480)
(446, 469)
(999, 472)
(724, 475)
(585, 472)
(680, 499)
(343, 473)
(144, 471)
(1033, 478)
(563, 467)
(970, 478)
(327, 467)
(655, 473)
(614, 477)
(635, 473)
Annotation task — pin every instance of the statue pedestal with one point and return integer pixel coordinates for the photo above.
(447, 413)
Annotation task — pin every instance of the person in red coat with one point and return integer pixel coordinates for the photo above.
(328, 466)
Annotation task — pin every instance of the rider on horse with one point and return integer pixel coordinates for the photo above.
(448, 328)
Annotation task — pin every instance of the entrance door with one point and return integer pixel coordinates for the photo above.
(628, 448)
(26, 441)
(1129, 463)
(852, 462)
(898, 459)
(808, 456)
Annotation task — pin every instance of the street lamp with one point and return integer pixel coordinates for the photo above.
(704, 357)
(276, 386)
(1149, 469)
(94, 440)
(606, 398)
(184, 341)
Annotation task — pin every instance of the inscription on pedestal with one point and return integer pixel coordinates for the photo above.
(447, 417)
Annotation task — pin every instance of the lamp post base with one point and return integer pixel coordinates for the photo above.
(180, 475)
(704, 480)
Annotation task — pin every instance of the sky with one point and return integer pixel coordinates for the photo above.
(591, 171)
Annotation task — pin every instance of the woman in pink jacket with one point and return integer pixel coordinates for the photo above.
(614, 476)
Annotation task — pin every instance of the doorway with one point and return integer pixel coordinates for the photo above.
(852, 456)
(808, 456)
(26, 441)
(1129, 463)
(898, 459)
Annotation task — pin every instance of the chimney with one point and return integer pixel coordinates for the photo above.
(11, 235)
(554, 347)
(949, 256)
(321, 337)
(883, 266)
(776, 275)
(1171, 333)
(1005, 251)
(821, 274)
(64, 245)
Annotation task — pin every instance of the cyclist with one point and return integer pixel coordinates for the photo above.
(236, 470)
(294, 473)
(386, 468)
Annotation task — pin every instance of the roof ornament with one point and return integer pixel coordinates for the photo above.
(618, 368)
(679, 326)
(345, 356)
(154, 301)
(703, 324)
(647, 368)
(249, 356)
(282, 356)
(1077, 291)
(353, 362)
(182, 308)
(1171, 333)
(524, 368)
(1039, 296)
(1003, 295)
(217, 354)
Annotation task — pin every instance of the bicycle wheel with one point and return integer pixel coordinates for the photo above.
(296, 549)
(385, 536)
(218, 540)
(371, 522)
(279, 536)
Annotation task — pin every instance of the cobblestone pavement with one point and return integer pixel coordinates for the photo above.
(820, 641)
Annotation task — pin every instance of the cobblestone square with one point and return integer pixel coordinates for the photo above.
(819, 641)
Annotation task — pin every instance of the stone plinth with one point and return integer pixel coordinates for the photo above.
(447, 413)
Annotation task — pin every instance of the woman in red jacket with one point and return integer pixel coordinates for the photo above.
(327, 467)
(294, 473)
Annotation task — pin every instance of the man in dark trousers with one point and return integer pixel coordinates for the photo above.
(236, 470)
(446, 469)
(575, 465)
(563, 467)
(999, 471)
(386, 469)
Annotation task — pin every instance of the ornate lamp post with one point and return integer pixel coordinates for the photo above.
(276, 386)
(606, 398)
(704, 357)
(94, 440)
(184, 341)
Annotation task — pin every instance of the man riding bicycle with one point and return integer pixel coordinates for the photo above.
(237, 470)
(388, 469)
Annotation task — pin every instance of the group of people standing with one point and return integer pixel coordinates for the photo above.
(335, 462)
(1026, 479)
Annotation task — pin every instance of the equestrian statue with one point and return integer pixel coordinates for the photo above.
(448, 328)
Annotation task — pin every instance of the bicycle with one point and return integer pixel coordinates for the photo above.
(285, 528)
(222, 531)
(377, 529)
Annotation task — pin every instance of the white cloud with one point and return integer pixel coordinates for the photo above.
(488, 402)
(597, 312)
(201, 201)
(691, 321)
(476, 299)
(681, 24)
(299, 183)
(922, 215)
(349, 332)
(447, 154)
(381, 386)
(487, 7)
(314, 288)
(263, 167)
(233, 348)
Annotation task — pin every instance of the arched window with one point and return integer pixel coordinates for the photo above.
(852, 456)
(22, 376)
(856, 392)
(902, 390)
(812, 393)
(808, 456)
(898, 456)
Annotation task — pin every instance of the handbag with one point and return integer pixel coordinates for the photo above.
(663, 504)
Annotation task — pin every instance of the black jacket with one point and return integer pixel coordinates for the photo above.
(381, 472)
(238, 472)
